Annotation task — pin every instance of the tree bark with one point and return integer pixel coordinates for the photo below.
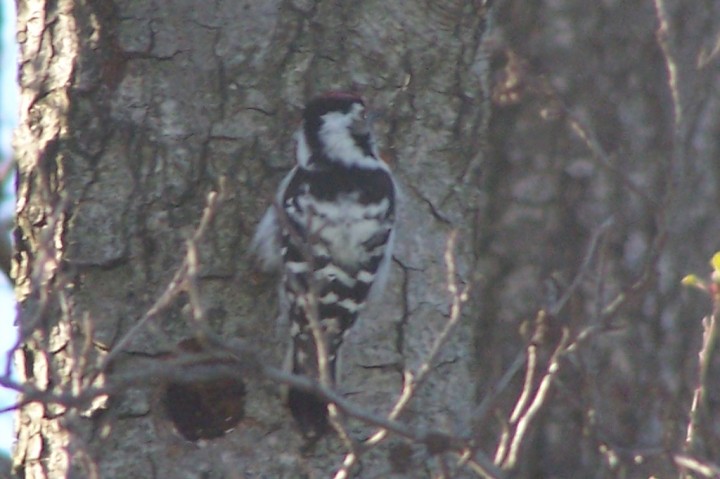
(534, 322)
(132, 113)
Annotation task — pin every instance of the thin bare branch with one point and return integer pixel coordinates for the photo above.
(540, 398)
(492, 394)
(584, 267)
(705, 468)
(177, 284)
(663, 38)
(412, 382)
(699, 407)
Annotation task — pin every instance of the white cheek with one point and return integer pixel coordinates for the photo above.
(340, 146)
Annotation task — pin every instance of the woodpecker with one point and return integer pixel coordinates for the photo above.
(330, 233)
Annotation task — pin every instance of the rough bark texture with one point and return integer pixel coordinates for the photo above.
(133, 111)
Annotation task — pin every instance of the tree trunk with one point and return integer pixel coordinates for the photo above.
(132, 113)
(534, 324)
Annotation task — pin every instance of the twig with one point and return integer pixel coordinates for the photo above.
(699, 407)
(584, 267)
(528, 383)
(412, 382)
(707, 469)
(663, 33)
(598, 152)
(529, 402)
(539, 399)
(348, 463)
(176, 285)
(499, 387)
(420, 436)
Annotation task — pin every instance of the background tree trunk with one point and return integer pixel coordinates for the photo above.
(586, 195)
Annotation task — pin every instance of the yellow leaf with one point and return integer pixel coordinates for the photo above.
(715, 261)
(693, 281)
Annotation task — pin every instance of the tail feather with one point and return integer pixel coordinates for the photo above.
(308, 409)
(310, 414)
